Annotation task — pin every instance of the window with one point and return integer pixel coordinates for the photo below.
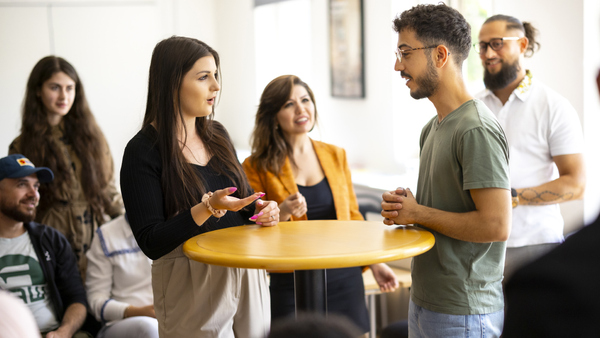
(476, 12)
(282, 33)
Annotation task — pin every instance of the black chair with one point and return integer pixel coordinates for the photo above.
(368, 203)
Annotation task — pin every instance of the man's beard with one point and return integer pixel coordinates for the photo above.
(506, 75)
(426, 84)
(19, 216)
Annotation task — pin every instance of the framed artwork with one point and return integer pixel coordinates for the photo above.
(346, 48)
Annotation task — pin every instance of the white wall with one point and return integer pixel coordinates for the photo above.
(349, 123)
(235, 44)
(110, 46)
(110, 43)
(362, 126)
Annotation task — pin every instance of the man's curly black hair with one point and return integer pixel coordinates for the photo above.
(438, 25)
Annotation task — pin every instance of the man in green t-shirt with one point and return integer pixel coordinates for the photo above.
(463, 192)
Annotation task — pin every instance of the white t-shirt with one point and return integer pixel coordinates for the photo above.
(539, 123)
(21, 274)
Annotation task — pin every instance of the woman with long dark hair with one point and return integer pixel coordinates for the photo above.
(310, 180)
(58, 131)
(181, 177)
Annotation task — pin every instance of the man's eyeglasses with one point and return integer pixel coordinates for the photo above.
(496, 44)
(401, 52)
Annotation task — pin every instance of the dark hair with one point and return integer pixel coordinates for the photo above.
(268, 144)
(314, 326)
(82, 134)
(525, 27)
(171, 60)
(438, 25)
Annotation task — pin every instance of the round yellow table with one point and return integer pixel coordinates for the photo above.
(308, 247)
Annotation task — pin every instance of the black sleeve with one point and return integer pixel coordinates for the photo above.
(67, 277)
(143, 198)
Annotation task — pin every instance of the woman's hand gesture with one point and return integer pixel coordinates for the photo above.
(267, 213)
(221, 199)
(293, 205)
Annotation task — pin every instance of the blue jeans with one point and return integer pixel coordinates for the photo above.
(425, 323)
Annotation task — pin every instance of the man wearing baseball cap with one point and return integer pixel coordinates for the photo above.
(36, 261)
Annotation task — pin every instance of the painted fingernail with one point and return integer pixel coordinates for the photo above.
(253, 218)
(232, 189)
(259, 223)
(261, 195)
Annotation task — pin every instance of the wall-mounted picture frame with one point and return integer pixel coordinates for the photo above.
(346, 48)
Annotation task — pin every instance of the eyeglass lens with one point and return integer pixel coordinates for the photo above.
(496, 44)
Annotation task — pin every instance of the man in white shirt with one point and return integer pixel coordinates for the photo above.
(544, 135)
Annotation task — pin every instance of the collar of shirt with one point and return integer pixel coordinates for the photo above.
(523, 90)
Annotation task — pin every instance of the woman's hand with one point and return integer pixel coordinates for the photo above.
(221, 199)
(385, 277)
(293, 205)
(267, 213)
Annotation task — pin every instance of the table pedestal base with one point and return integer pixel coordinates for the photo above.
(310, 289)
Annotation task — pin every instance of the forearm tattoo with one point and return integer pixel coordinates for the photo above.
(534, 197)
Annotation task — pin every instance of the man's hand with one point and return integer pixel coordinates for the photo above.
(72, 321)
(59, 333)
(489, 222)
(399, 207)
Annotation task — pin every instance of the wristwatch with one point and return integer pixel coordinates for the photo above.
(515, 197)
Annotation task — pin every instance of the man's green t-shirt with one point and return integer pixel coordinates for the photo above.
(466, 150)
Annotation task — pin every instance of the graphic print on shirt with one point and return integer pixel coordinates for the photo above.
(23, 276)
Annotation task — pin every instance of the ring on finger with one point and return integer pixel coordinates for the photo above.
(273, 217)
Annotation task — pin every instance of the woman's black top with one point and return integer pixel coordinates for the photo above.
(155, 233)
(345, 287)
(319, 200)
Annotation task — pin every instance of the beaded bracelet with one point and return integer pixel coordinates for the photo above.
(218, 213)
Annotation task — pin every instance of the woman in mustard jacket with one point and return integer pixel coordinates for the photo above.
(310, 180)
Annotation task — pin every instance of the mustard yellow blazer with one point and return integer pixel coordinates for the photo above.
(334, 165)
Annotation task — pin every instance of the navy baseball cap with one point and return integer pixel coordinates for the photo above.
(17, 166)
